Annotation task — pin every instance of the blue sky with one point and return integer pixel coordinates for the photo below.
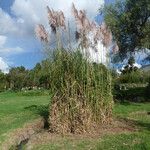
(5, 4)
(18, 18)
(18, 44)
(16, 48)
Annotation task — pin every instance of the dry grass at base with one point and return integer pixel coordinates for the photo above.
(62, 121)
(138, 113)
(118, 126)
(16, 137)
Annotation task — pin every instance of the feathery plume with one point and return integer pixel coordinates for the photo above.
(50, 14)
(82, 15)
(107, 36)
(86, 24)
(56, 19)
(41, 33)
(84, 27)
(62, 20)
(74, 11)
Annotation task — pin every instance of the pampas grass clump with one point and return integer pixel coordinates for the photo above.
(81, 89)
(81, 93)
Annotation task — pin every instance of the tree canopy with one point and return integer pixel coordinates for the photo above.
(129, 21)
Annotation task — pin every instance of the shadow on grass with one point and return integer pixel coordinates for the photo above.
(144, 125)
(128, 103)
(41, 110)
(136, 123)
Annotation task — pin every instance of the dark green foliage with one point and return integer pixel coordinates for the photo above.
(130, 24)
(148, 90)
(131, 61)
(133, 77)
(17, 77)
(131, 94)
(131, 84)
(2, 81)
(132, 74)
(40, 92)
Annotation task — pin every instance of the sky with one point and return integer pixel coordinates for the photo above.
(18, 18)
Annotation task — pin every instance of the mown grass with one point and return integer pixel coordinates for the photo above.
(125, 108)
(16, 110)
(135, 141)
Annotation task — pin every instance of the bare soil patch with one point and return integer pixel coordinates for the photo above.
(17, 137)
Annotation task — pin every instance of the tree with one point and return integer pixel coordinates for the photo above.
(2, 81)
(132, 74)
(17, 77)
(36, 74)
(130, 66)
(131, 61)
(129, 22)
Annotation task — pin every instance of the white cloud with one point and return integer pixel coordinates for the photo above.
(7, 24)
(4, 65)
(137, 65)
(11, 50)
(141, 55)
(34, 11)
(29, 13)
(7, 51)
(2, 40)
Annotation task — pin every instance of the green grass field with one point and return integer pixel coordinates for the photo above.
(17, 109)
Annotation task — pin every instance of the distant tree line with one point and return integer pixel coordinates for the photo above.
(20, 78)
(132, 74)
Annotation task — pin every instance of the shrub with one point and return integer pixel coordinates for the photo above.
(148, 90)
(34, 93)
(133, 77)
(133, 94)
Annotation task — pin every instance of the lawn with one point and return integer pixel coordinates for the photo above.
(17, 109)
